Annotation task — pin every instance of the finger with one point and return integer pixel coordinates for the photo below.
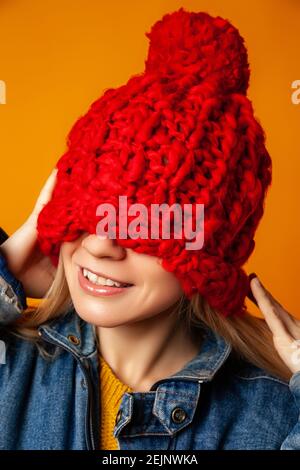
(292, 325)
(46, 192)
(270, 310)
(22, 242)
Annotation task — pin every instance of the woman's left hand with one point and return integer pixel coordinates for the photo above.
(285, 328)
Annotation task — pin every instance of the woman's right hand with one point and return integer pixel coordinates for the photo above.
(24, 259)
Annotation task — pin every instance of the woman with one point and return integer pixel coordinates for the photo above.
(142, 343)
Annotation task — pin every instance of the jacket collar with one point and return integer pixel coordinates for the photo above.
(72, 333)
(79, 337)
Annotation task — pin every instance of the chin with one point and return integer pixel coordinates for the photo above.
(97, 316)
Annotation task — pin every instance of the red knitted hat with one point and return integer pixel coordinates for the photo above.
(183, 131)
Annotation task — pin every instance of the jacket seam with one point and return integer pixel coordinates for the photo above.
(262, 377)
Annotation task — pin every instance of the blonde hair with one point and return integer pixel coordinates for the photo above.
(249, 336)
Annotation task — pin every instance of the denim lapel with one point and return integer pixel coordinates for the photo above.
(72, 333)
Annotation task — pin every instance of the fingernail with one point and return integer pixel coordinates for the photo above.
(255, 276)
(250, 295)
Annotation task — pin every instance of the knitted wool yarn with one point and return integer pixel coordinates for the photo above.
(183, 131)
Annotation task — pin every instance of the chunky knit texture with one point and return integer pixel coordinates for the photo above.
(111, 392)
(183, 131)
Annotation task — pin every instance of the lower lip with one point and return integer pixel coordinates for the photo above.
(96, 290)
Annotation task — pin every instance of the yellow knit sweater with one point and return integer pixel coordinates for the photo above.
(111, 392)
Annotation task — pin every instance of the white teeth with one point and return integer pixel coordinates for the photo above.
(93, 277)
(100, 281)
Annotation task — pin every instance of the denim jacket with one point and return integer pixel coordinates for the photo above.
(215, 401)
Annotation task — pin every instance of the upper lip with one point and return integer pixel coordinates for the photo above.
(105, 275)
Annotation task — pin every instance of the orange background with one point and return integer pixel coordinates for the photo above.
(58, 56)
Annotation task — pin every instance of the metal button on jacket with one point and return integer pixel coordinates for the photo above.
(178, 415)
(74, 339)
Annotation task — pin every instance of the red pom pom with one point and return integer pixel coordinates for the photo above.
(210, 48)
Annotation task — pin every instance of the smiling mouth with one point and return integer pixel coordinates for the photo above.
(100, 280)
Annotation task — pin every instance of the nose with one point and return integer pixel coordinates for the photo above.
(103, 247)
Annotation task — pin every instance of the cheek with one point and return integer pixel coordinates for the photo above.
(67, 251)
(164, 291)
